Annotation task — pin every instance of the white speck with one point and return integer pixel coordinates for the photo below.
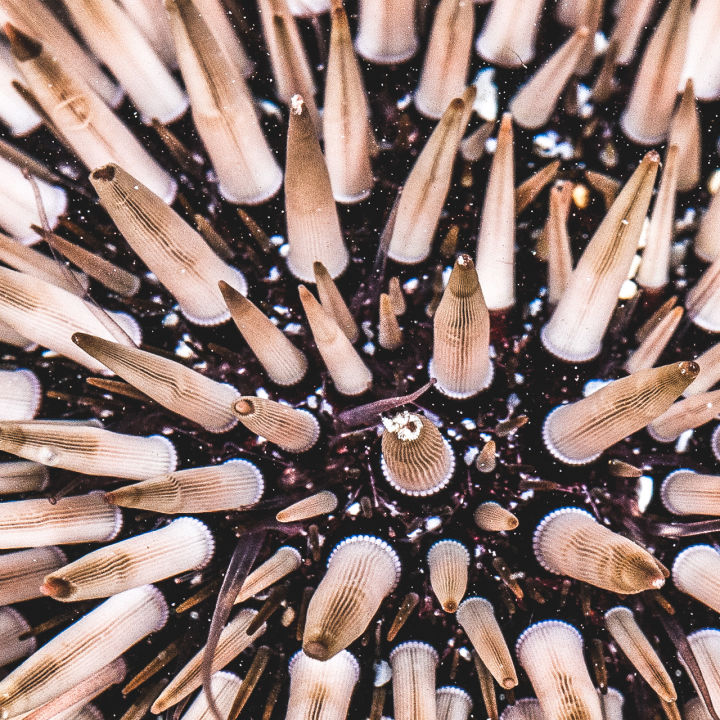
(549, 144)
(470, 454)
(312, 402)
(262, 393)
(683, 441)
(354, 509)
(468, 424)
(486, 100)
(433, 523)
(411, 285)
(369, 348)
(383, 673)
(644, 492)
(284, 250)
(293, 328)
(184, 351)
(171, 320)
(404, 101)
(600, 43)
(277, 240)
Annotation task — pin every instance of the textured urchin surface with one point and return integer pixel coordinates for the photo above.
(527, 384)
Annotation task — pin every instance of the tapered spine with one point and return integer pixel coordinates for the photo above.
(348, 371)
(281, 563)
(447, 57)
(71, 520)
(89, 450)
(426, 188)
(453, 703)
(686, 414)
(557, 241)
(94, 266)
(333, 303)
(183, 545)
(709, 363)
(35, 18)
(685, 133)
(551, 652)
(31, 262)
(89, 126)
(650, 349)
(49, 315)
(362, 571)
(448, 561)
(21, 393)
(314, 232)
(178, 388)
(387, 31)
(702, 61)
(346, 128)
(83, 648)
(281, 360)
(694, 709)
(15, 112)
(224, 687)
(234, 484)
(118, 43)
(476, 615)
(707, 239)
(629, 26)
(508, 36)
(647, 115)
(220, 24)
(696, 572)
(495, 259)
(578, 433)
(413, 668)
(578, 324)
(177, 255)
(416, 459)
(702, 302)
(523, 709)
(493, 517)
(321, 690)
(705, 646)
(654, 272)
(534, 103)
(625, 631)
(290, 66)
(18, 209)
(21, 476)
(570, 542)
(461, 335)
(222, 110)
(12, 626)
(233, 640)
(291, 429)
(686, 492)
(390, 335)
(321, 503)
(22, 572)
